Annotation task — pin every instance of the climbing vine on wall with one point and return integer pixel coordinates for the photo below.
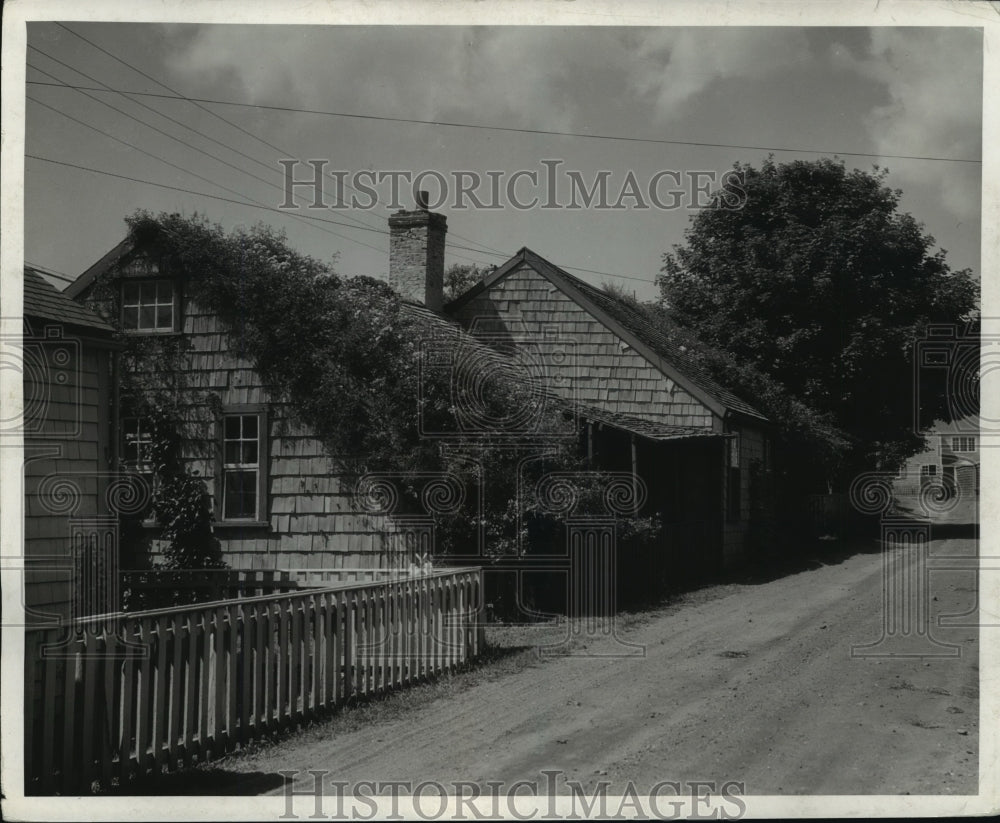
(348, 361)
(152, 388)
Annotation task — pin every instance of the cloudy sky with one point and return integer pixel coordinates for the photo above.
(811, 92)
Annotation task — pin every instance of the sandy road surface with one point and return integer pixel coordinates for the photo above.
(756, 685)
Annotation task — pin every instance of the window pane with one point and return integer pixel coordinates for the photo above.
(130, 293)
(164, 291)
(250, 452)
(240, 496)
(250, 427)
(130, 317)
(232, 428)
(147, 317)
(232, 453)
(165, 317)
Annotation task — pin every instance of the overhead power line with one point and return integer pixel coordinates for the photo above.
(303, 216)
(547, 132)
(51, 272)
(106, 87)
(183, 143)
(215, 114)
(247, 201)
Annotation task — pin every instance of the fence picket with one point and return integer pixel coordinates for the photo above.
(316, 658)
(220, 674)
(246, 635)
(350, 607)
(92, 684)
(176, 709)
(219, 701)
(232, 685)
(191, 691)
(111, 715)
(297, 690)
(144, 707)
(260, 672)
(47, 669)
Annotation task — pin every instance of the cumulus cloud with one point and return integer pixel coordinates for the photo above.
(673, 66)
(933, 82)
(526, 76)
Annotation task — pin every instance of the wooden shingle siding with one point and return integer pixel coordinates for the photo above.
(71, 430)
(601, 371)
(311, 519)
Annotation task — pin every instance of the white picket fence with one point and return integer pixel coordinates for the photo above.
(119, 698)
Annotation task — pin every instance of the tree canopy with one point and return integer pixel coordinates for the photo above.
(822, 284)
(461, 277)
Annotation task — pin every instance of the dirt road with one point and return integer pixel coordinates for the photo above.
(754, 684)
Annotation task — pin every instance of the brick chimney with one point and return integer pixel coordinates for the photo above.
(416, 254)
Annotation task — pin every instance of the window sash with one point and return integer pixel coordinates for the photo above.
(963, 444)
(149, 305)
(240, 476)
(136, 441)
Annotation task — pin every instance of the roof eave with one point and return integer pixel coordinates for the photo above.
(85, 280)
(566, 287)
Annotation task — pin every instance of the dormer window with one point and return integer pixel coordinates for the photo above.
(149, 306)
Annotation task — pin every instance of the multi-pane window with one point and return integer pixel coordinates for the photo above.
(241, 466)
(734, 451)
(733, 478)
(148, 305)
(928, 470)
(137, 444)
(963, 444)
(137, 457)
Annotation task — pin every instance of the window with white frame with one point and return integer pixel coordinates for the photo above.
(137, 443)
(149, 306)
(963, 444)
(242, 479)
(928, 470)
(137, 458)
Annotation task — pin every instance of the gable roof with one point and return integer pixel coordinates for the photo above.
(444, 328)
(671, 351)
(83, 282)
(44, 301)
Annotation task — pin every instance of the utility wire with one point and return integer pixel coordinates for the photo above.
(48, 271)
(303, 216)
(218, 116)
(195, 148)
(246, 201)
(554, 133)
(166, 117)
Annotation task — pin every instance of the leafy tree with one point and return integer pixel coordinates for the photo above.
(459, 278)
(822, 284)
